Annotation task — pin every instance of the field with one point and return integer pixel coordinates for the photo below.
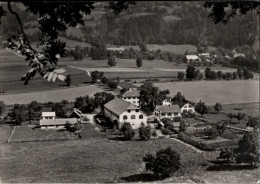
(96, 158)
(211, 92)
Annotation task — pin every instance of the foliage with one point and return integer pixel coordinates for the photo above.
(212, 133)
(101, 98)
(201, 108)
(59, 109)
(191, 72)
(144, 132)
(183, 127)
(34, 110)
(180, 76)
(218, 107)
(165, 131)
(240, 116)
(96, 75)
(112, 84)
(248, 150)
(18, 113)
(164, 164)
(220, 127)
(68, 80)
(111, 62)
(2, 107)
(252, 122)
(139, 62)
(127, 130)
(154, 133)
(104, 80)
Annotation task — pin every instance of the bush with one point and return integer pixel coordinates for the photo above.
(111, 62)
(78, 55)
(180, 76)
(127, 130)
(212, 133)
(165, 131)
(164, 164)
(104, 80)
(68, 80)
(112, 84)
(144, 132)
(183, 127)
(139, 62)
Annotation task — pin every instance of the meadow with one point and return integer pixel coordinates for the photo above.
(97, 158)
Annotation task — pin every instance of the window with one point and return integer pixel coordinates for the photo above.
(190, 106)
(133, 101)
(141, 117)
(184, 111)
(169, 114)
(175, 114)
(163, 114)
(128, 110)
(129, 97)
(133, 97)
(124, 117)
(133, 117)
(137, 110)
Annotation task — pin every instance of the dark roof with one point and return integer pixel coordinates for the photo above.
(166, 108)
(131, 93)
(126, 85)
(118, 106)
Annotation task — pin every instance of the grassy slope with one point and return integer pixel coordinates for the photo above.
(97, 159)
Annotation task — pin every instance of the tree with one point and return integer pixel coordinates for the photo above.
(180, 76)
(212, 133)
(234, 75)
(191, 72)
(183, 127)
(240, 73)
(143, 47)
(104, 80)
(144, 132)
(127, 130)
(207, 73)
(154, 133)
(2, 107)
(101, 98)
(80, 102)
(139, 62)
(220, 127)
(96, 75)
(164, 163)
(68, 80)
(218, 107)
(219, 74)
(111, 62)
(248, 148)
(18, 113)
(78, 55)
(252, 122)
(59, 109)
(112, 84)
(230, 116)
(34, 110)
(201, 108)
(240, 116)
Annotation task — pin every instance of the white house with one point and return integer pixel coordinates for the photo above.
(192, 58)
(206, 55)
(132, 96)
(48, 115)
(167, 101)
(120, 111)
(187, 108)
(119, 49)
(164, 111)
(238, 55)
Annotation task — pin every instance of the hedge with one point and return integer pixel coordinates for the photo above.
(205, 145)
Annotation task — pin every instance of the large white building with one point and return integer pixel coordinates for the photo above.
(169, 112)
(120, 111)
(132, 96)
(192, 58)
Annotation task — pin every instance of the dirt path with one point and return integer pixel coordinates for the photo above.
(186, 144)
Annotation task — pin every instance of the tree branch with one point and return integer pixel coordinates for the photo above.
(21, 25)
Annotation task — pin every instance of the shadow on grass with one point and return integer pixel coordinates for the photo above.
(230, 167)
(140, 178)
(221, 161)
(117, 139)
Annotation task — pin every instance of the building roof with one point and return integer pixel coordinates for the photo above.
(76, 111)
(165, 108)
(192, 57)
(126, 85)
(239, 55)
(181, 105)
(58, 121)
(44, 114)
(131, 93)
(118, 106)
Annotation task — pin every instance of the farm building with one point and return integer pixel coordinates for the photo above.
(238, 55)
(48, 115)
(74, 113)
(167, 101)
(192, 58)
(126, 86)
(120, 111)
(164, 111)
(56, 123)
(132, 96)
(185, 108)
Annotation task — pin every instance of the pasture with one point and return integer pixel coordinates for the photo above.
(211, 92)
(97, 158)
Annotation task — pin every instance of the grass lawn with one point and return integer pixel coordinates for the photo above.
(95, 158)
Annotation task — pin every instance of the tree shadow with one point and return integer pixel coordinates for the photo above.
(230, 167)
(117, 139)
(140, 178)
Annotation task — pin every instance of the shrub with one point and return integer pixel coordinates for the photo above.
(212, 133)
(165, 131)
(127, 130)
(165, 163)
(180, 76)
(68, 80)
(111, 62)
(154, 133)
(139, 62)
(183, 127)
(177, 119)
(112, 84)
(78, 55)
(144, 132)
(104, 80)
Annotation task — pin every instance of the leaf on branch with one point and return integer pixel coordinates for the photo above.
(50, 76)
(61, 77)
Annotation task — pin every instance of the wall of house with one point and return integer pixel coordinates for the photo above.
(166, 102)
(187, 108)
(135, 123)
(158, 115)
(52, 127)
(110, 115)
(132, 100)
(48, 117)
